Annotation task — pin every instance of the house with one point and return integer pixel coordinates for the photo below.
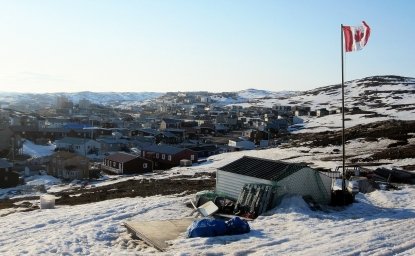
(145, 132)
(203, 150)
(258, 137)
(8, 177)
(165, 156)
(56, 122)
(289, 178)
(282, 109)
(113, 144)
(198, 108)
(322, 112)
(248, 133)
(301, 112)
(177, 134)
(78, 145)
(241, 144)
(278, 124)
(221, 128)
(207, 128)
(170, 123)
(312, 113)
(232, 120)
(124, 163)
(68, 165)
(340, 110)
(205, 99)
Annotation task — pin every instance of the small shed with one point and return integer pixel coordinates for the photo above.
(185, 162)
(289, 178)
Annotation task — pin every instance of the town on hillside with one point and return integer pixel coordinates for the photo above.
(174, 129)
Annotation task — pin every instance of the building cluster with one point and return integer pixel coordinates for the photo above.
(177, 128)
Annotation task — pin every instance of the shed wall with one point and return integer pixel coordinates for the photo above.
(305, 182)
(230, 184)
(328, 182)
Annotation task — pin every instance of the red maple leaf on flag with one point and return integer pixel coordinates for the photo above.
(358, 36)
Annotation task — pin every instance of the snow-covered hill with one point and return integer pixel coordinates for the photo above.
(103, 98)
(388, 95)
(250, 96)
(379, 97)
(392, 96)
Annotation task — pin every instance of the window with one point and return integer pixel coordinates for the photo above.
(157, 155)
(113, 164)
(163, 156)
(145, 165)
(169, 157)
(192, 157)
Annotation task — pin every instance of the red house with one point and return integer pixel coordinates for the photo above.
(165, 157)
(123, 163)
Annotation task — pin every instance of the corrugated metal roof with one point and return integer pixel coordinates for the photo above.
(262, 168)
(121, 157)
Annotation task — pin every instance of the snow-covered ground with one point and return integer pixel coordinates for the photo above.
(36, 151)
(379, 223)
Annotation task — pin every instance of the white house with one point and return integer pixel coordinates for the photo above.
(241, 144)
(56, 122)
(289, 178)
(78, 145)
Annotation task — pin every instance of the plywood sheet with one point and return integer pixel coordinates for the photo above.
(157, 232)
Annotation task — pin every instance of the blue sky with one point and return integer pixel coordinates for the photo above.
(171, 45)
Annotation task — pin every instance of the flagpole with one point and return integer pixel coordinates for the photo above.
(343, 136)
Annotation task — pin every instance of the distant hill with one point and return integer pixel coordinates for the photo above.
(103, 98)
(391, 96)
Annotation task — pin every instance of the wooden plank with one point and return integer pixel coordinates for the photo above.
(157, 232)
(230, 216)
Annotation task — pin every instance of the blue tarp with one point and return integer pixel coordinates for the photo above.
(236, 226)
(216, 227)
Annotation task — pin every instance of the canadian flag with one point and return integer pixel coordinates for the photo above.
(356, 37)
